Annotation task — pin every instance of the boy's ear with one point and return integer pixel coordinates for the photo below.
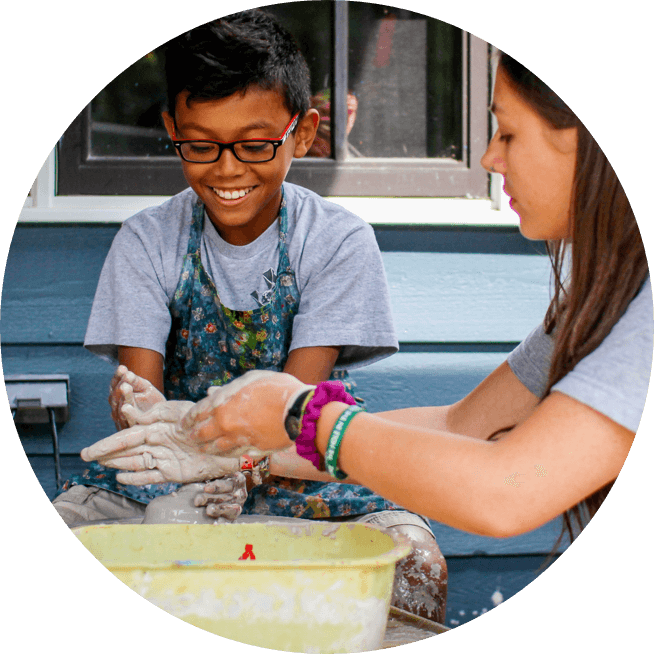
(306, 132)
(169, 123)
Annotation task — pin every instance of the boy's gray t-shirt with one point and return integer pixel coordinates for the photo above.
(344, 297)
(613, 379)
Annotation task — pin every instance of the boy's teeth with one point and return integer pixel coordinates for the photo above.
(232, 195)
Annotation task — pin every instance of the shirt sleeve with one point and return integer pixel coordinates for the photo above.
(531, 360)
(345, 301)
(613, 379)
(130, 307)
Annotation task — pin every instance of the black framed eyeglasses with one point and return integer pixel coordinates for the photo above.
(247, 151)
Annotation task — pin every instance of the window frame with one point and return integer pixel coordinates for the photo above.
(79, 173)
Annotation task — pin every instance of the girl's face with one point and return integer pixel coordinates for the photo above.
(537, 162)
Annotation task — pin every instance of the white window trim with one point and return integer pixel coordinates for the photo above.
(43, 206)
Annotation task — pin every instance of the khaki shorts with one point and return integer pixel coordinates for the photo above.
(82, 504)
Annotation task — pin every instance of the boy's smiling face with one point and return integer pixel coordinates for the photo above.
(257, 113)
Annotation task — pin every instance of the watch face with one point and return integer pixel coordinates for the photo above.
(293, 426)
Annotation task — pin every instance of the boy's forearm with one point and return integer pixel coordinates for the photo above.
(311, 365)
(144, 363)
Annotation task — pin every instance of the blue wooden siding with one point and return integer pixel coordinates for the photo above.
(461, 299)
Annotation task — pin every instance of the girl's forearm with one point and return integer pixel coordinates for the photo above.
(402, 463)
(431, 417)
(288, 463)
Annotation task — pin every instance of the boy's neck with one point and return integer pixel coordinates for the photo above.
(252, 230)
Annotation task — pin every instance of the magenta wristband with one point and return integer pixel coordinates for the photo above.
(326, 392)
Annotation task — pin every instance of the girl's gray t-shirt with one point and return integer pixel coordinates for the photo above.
(613, 379)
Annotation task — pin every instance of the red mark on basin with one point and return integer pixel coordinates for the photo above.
(248, 554)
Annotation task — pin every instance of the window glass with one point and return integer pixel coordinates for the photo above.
(404, 95)
(126, 114)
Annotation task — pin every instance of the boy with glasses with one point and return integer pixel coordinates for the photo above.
(243, 271)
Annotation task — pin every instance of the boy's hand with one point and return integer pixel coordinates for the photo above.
(127, 389)
(158, 452)
(224, 498)
(164, 411)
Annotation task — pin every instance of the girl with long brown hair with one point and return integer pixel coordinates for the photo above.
(546, 433)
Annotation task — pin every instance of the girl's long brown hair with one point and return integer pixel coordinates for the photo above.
(598, 270)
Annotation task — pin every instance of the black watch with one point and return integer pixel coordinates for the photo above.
(293, 421)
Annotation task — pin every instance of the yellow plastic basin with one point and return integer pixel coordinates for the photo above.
(320, 587)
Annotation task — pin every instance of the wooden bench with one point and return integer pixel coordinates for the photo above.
(462, 299)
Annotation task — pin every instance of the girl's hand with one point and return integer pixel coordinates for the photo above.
(129, 390)
(224, 498)
(245, 416)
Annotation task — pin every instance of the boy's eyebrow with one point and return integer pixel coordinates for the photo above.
(252, 126)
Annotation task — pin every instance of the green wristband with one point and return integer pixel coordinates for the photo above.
(335, 438)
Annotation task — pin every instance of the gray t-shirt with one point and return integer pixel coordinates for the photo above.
(344, 297)
(613, 379)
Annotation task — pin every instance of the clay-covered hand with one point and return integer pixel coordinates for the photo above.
(159, 451)
(164, 411)
(224, 498)
(129, 390)
(245, 416)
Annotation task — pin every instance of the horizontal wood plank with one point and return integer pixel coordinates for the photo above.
(444, 297)
(52, 273)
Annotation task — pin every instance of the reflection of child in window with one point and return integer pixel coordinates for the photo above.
(322, 144)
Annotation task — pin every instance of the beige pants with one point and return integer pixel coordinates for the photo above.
(82, 504)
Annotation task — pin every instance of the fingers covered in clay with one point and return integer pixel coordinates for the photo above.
(159, 450)
(122, 442)
(141, 478)
(127, 389)
(164, 411)
(228, 511)
(245, 416)
(224, 498)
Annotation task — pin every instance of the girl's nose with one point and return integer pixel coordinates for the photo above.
(492, 160)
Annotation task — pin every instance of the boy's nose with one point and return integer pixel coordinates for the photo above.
(492, 160)
(228, 165)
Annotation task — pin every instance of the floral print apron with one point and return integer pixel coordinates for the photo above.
(210, 344)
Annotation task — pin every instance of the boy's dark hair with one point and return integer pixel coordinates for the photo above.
(231, 54)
